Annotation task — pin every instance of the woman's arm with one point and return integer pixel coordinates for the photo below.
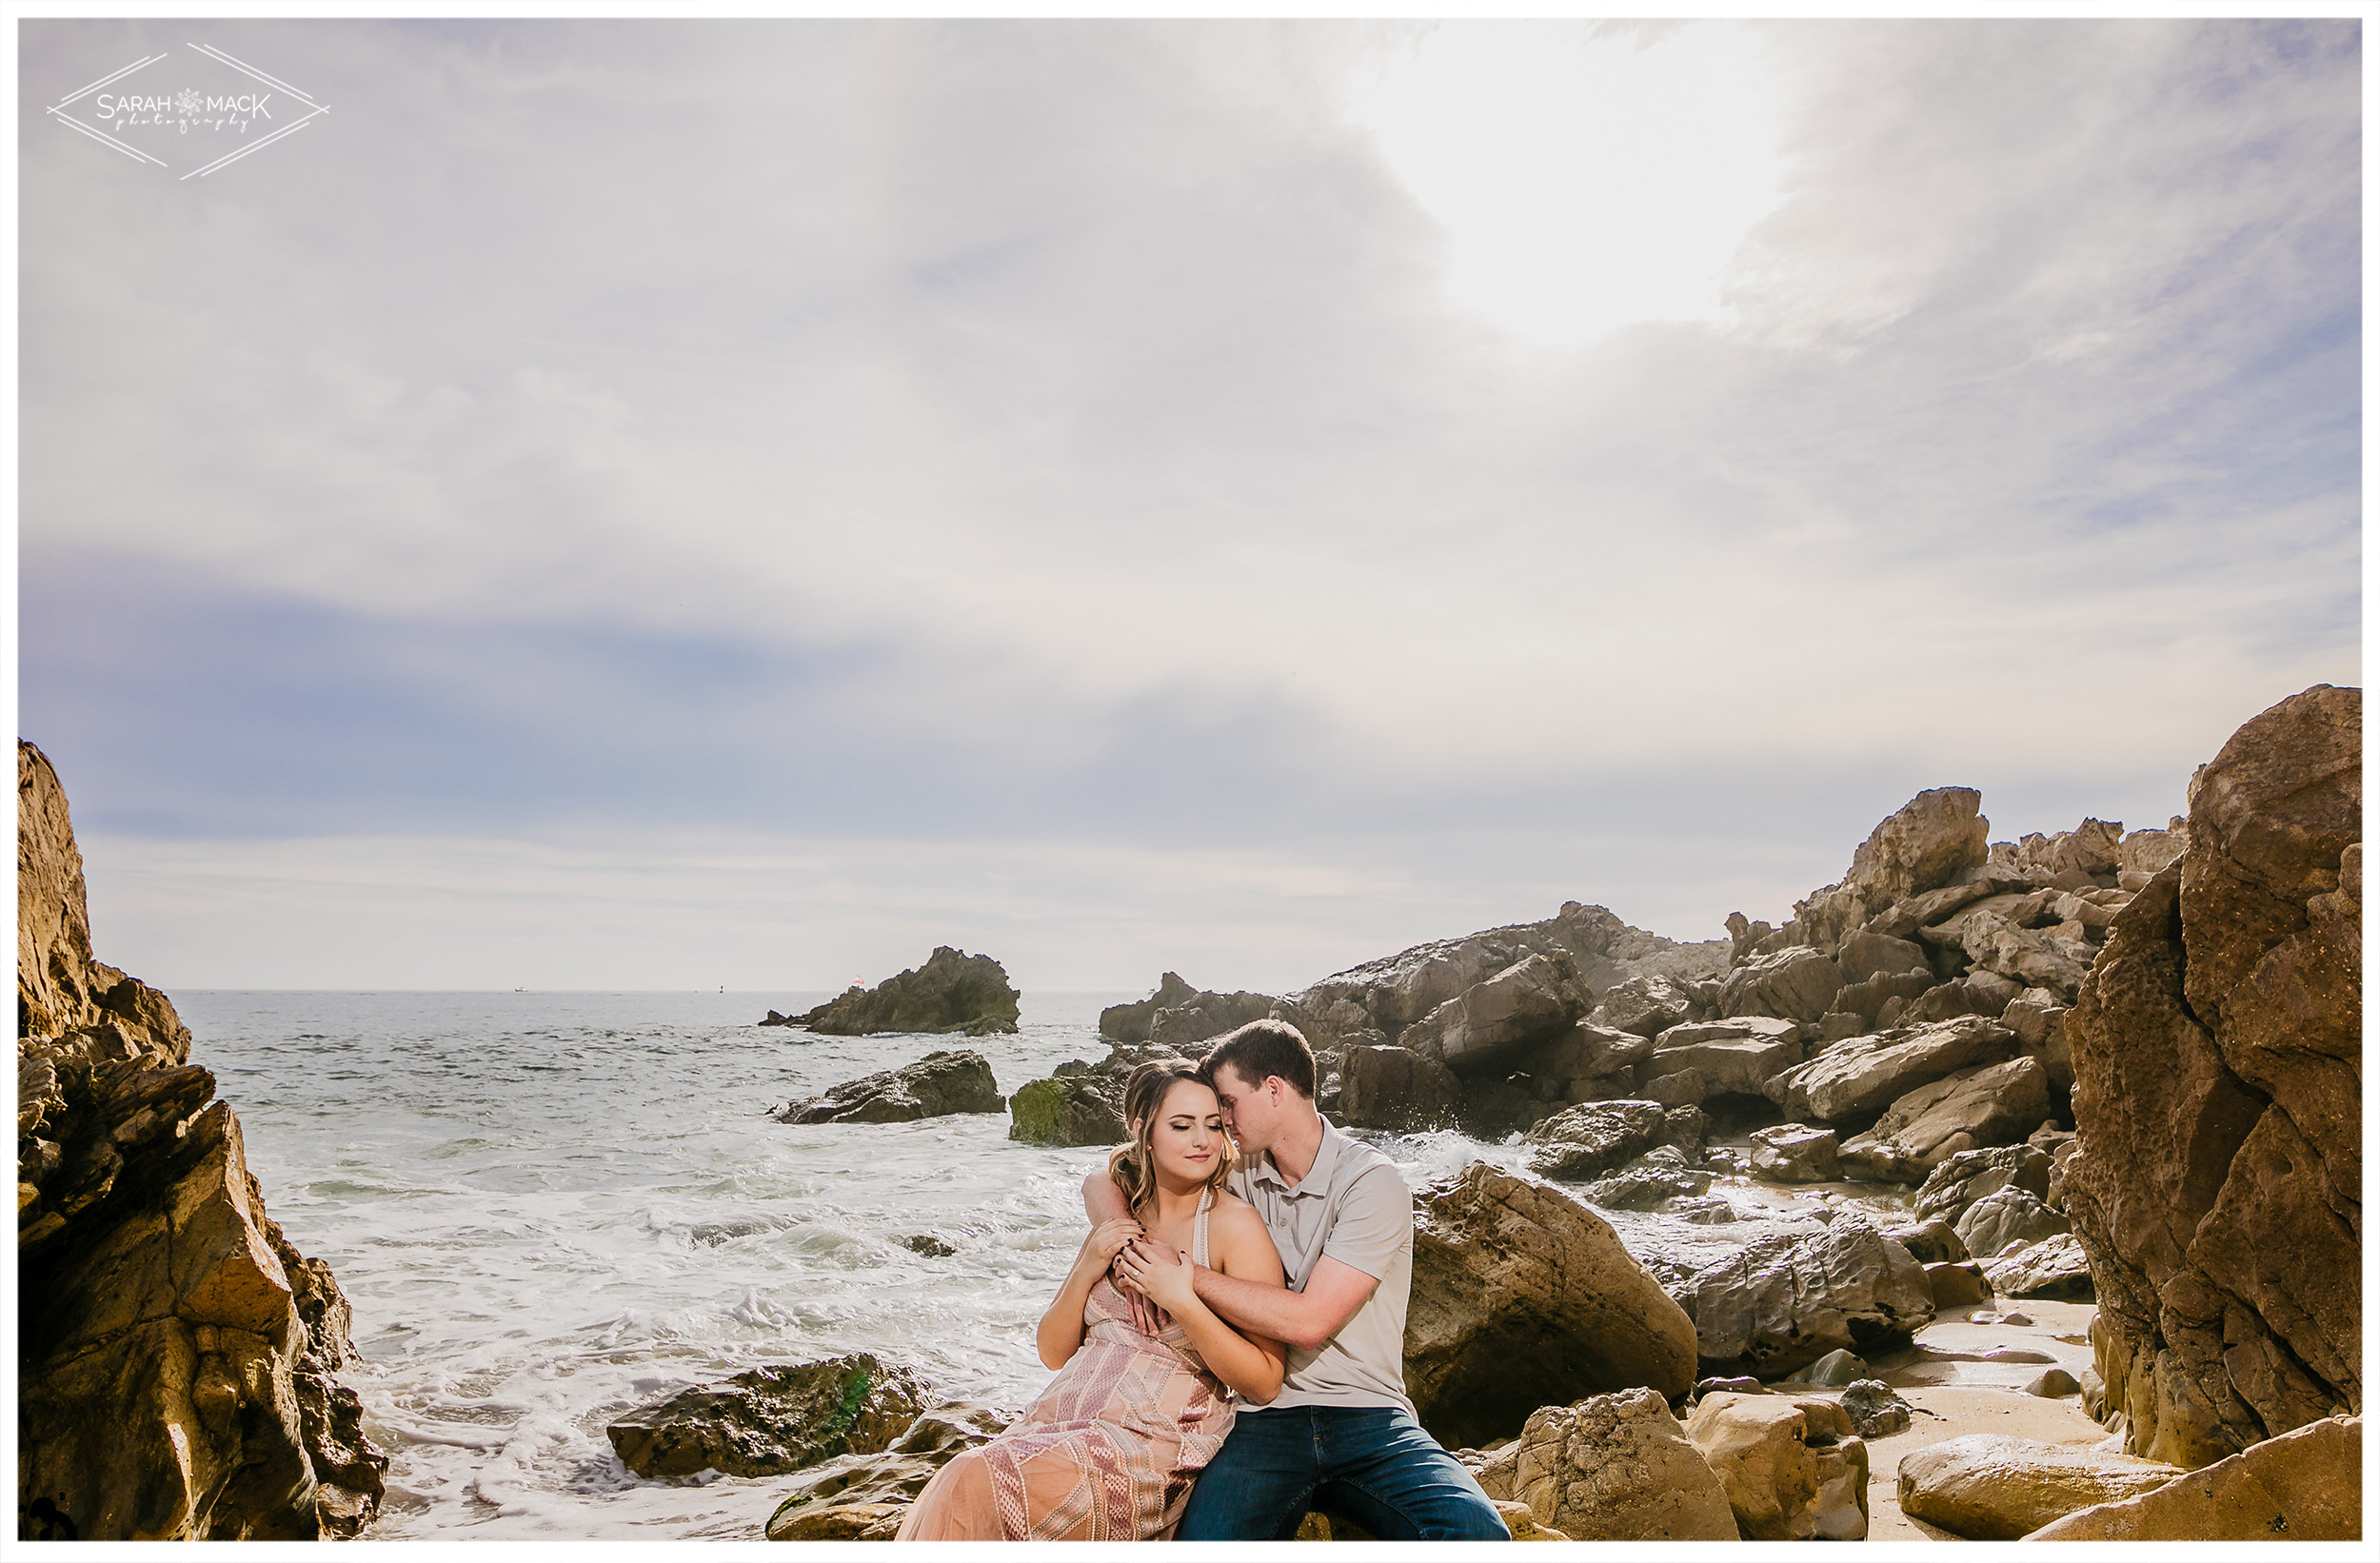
(1059, 1335)
(1251, 1364)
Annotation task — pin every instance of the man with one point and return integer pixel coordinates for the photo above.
(1341, 1436)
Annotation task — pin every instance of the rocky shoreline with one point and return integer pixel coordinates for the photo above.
(1987, 1081)
(176, 1355)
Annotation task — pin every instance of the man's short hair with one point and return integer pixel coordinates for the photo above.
(1262, 1049)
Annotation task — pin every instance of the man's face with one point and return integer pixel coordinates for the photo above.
(1251, 1111)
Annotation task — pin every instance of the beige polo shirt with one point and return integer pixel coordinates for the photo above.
(1352, 1206)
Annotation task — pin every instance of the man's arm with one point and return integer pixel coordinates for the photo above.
(1305, 1319)
(1102, 1199)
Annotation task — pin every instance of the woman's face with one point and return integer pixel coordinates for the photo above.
(1187, 1143)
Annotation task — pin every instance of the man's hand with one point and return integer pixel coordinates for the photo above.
(1104, 1203)
(1157, 1274)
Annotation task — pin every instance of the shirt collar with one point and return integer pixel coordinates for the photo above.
(1317, 1178)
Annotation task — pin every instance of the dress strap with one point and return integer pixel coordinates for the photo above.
(1197, 1227)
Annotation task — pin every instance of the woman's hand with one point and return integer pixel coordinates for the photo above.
(1105, 1241)
(1157, 1272)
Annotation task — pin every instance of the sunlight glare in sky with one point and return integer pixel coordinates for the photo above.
(1587, 182)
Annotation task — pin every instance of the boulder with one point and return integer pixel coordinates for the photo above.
(2145, 852)
(1393, 1088)
(1646, 1006)
(175, 1352)
(1653, 1179)
(2029, 957)
(1864, 955)
(1489, 1025)
(1523, 1298)
(1793, 1152)
(935, 1086)
(2054, 1384)
(1974, 1107)
(1583, 1143)
(2054, 1268)
(1793, 984)
(1851, 1084)
(1966, 1178)
(1685, 1088)
(1933, 1240)
(1736, 1056)
(2217, 1057)
(953, 991)
(1130, 1024)
(1839, 1513)
(2306, 1485)
(1756, 1444)
(1874, 1410)
(1956, 1284)
(1787, 1299)
(864, 1496)
(1612, 1467)
(1832, 1370)
(1067, 1110)
(1870, 999)
(772, 1419)
(2007, 1219)
(1989, 1488)
(1185, 1027)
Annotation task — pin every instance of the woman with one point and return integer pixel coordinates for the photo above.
(1109, 1451)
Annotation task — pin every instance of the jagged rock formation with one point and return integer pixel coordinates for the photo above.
(1179, 1017)
(174, 1351)
(2217, 1057)
(952, 992)
(936, 1085)
(1611, 1468)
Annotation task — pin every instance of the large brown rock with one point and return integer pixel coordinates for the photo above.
(1523, 1298)
(1737, 1055)
(773, 1420)
(1996, 1105)
(174, 1351)
(1393, 1088)
(1130, 1024)
(1859, 1079)
(1612, 1468)
(865, 1496)
(1594, 1138)
(1926, 844)
(952, 992)
(1785, 1301)
(1490, 1025)
(1989, 1488)
(1065, 1110)
(1796, 984)
(2306, 1485)
(1756, 1445)
(2217, 1057)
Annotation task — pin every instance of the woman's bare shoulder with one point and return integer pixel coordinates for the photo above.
(1240, 1240)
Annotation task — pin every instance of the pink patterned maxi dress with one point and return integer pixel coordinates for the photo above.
(1109, 1452)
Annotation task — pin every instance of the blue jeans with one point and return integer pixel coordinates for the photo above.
(1372, 1465)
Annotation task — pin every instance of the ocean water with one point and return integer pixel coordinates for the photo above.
(548, 1209)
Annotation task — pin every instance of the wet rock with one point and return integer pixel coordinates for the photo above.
(929, 1245)
(1130, 1024)
(2217, 1054)
(1653, 1179)
(1583, 1143)
(936, 1085)
(772, 1419)
(1966, 1178)
(1832, 1370)
(864, 1496)
(1988, 1488)
(1972, 1108)
(1612, 1467)
(1739, 1385)
(1756, 1445)
(1066, 1111)
(1793, 1152)
(1521, 1298)
(175, 1352)
(2057, 1267)
(1786, 1300)
(1796, 983)
(1874, 1410)
(1395, 1089)
(2306, 1485)
(2006, 1219)
(953, 991)
(1187, 1025)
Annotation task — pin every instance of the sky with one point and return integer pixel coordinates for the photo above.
(615, 504)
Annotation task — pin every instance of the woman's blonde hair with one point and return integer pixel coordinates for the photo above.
(1133, 1165)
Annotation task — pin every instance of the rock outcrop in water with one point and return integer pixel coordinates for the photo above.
(772, 1419)
(936, 1085)
(1178, 1017)
(952, 992)
(174, 1351)
(2218, 1075)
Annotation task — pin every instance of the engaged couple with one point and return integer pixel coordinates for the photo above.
(1230, 1340)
